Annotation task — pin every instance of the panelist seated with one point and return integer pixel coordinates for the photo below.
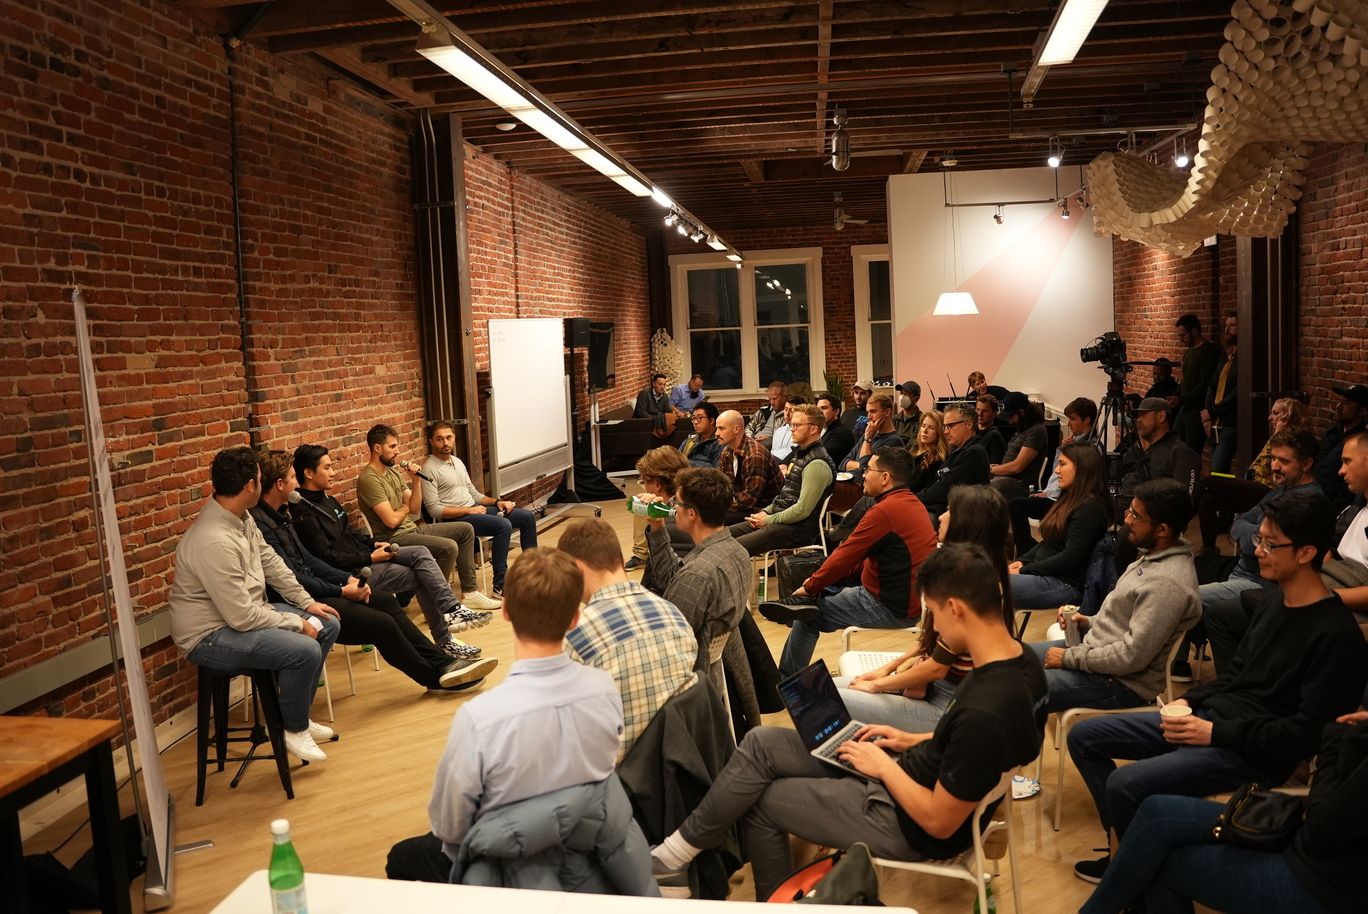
(688, 396)
(654, 402)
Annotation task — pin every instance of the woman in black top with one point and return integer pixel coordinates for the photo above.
(1169, 859)
(930, 450)
(1052, 573)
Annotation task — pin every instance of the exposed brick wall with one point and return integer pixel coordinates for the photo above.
(115, 175)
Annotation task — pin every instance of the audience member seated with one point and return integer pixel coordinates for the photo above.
(624, 629)
(1301, 665)
(450, 495)
(1348, 572)
(836, 439)
(767, 419)
(1164, 386)
(986, 409)
(367, 616)
(656, 472)
(923, 787)
(854, 417)
(323, 529)
(753, 471)
(907, 420)
(879, 432)
(1220, 409)
(929, 450)
(654, 403)
(979, 386)
(1052, 572)
(791, 519)
(1223, 615)
(914, 691)
(1158, 452)
(1170, 859)
(1120, 661)
(781, 445)
(711, 587)
(579, 835)
(1199, 368)
(220, 617)
(688, 396)
(702, 447)
(892, 540)
(389, 504)
(1220, 499)
(1351, 414)
(1019, 471)
(1080, 415)
(966, 464)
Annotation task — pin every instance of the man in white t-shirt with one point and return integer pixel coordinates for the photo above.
(1353, 521)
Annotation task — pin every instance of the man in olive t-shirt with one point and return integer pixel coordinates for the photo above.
(389, 503)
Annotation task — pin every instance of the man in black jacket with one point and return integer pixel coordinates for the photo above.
(1158, 452)
(1300, 665)
(967, 464)
(367, 616)
(322, 525)
(836, 440)
(1350, 414)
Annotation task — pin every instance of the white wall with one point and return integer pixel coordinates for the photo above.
(1043, 284)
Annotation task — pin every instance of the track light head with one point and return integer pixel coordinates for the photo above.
(1180, 156)
(682, 228)
(1056, 156)
(998, 216)
(671, 218)
(949, 159)
(696, 235)
(1064, 209)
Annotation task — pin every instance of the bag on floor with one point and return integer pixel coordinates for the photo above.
(795, 568)
(845, 877)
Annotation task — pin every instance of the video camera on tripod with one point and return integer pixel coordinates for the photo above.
(1109, 351)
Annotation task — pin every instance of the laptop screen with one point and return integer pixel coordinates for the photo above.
(814, 703)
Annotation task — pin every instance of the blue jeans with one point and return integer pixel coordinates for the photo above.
(1229, 589)
(1222, 448)
(500, 529)
(1077, 689)
(1169, 859)
(915, 715)
(850, 606)
(296, 658)
(414, 570)
(1159, 766)
(1035, 591)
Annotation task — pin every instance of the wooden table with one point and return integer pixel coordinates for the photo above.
(39, 755)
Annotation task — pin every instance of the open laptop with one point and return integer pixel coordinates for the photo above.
(819, 715)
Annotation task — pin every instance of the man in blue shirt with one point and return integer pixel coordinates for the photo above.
(496, 752)
(684, 397)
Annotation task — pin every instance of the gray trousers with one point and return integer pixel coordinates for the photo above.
(776, 789)
(413, 570)
(452, 544)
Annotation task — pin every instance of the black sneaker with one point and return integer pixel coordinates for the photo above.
(634, 563)
(1092, 870)
(1181, 671)
(466, 672)
(788, 610)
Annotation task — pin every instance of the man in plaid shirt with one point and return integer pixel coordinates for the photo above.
(642, 640)
(749, 465)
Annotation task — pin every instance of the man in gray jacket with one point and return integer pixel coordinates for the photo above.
(1120, 662)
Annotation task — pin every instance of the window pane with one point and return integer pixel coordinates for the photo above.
(714, 298)
(878, 292)
(784, 355)
(716, 356)
(882, 338)
(781, 295)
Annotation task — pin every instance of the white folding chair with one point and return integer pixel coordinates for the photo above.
(969, 866)
(1067, 719)
(351, 679)
(852, 663)
(767, 557)
(718, 677)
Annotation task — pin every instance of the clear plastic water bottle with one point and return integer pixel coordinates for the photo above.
(286, 873)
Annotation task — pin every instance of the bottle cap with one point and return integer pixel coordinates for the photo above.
(280, 827)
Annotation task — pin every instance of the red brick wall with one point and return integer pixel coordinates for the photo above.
(115, 175)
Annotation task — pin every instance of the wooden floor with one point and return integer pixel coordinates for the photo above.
(373, 791)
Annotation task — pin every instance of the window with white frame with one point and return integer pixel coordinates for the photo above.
(873, 313)
(742, 329)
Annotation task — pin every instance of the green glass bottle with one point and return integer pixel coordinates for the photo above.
(992, 902)
(286, 874)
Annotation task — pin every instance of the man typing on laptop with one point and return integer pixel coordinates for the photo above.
(917, 792)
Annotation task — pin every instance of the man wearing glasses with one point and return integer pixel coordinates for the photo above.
(967, 464)
(1300, 666)
(702, 447)
(791, 519)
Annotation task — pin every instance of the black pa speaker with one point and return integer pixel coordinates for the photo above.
(577, 333)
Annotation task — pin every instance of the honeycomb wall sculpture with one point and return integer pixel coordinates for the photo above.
(1289, 75)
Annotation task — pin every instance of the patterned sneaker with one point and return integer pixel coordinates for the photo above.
(460, 619)
(459, 650)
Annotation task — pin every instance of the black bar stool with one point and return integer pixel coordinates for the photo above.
(213, 689)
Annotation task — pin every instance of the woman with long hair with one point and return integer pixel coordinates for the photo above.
(1052, 573)
(915, 690)
(930, 449)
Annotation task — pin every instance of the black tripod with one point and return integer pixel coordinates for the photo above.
(1113, 408)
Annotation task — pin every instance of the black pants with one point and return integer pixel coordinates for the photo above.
(1022, 510)
(774, 536)
(383, 624)
(418, 859)
(1220, 501)
(1226, 622)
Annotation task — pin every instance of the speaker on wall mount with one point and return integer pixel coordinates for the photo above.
(577, 333)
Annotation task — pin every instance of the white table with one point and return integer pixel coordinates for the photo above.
(360, 895)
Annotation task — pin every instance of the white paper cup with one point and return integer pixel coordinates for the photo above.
(1174, 711)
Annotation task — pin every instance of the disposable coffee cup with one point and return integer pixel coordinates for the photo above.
(1174, 711)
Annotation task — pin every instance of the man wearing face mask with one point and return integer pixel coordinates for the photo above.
(908, 418)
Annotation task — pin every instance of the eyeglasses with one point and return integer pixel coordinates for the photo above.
(1261, 544)
(1131, 512)
(956, 422)
(800, 424)
(699, 418)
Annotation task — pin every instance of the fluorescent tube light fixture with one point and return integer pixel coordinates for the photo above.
(1069, 30)
(715, 244)
(661, 197)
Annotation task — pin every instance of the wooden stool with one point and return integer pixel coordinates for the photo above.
(213, 688)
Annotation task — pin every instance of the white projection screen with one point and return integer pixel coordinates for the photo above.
(529, 410)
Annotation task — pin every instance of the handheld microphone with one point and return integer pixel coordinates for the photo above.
(411, 467)
(295, 498)
(363, 575)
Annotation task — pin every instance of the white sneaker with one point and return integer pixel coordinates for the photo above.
(479, 602)
(321, 733)
(302, 744)
(1023, 788)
